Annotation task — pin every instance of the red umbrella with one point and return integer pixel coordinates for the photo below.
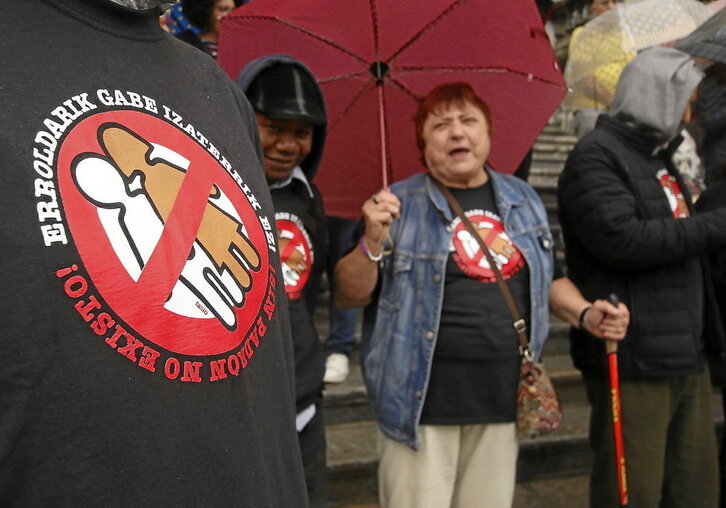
(375, 58)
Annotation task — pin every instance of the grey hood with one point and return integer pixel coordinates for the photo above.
(654, 90)
(250, 72)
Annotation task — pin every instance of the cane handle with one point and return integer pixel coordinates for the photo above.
(611, 346)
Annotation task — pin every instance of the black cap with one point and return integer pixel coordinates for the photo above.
(286, 91)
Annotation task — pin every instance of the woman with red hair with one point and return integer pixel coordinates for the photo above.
(439, 354)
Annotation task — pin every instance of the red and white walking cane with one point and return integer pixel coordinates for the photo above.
(611, 348)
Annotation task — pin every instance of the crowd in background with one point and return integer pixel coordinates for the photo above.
(446, 264)
(416, 434)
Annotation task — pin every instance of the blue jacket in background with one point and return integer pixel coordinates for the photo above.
(397, 351)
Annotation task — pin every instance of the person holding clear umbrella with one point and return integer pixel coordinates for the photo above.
(602, 48)
(586, 109)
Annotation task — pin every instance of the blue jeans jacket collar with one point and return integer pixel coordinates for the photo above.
(397, 349)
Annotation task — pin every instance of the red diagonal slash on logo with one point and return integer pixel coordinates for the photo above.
(491, 235)
(182, 200)
(292, 244)
(180, 230)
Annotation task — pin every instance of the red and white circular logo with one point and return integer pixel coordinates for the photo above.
(672, 189)
(168, 238)
(296, 253)
(469, 257)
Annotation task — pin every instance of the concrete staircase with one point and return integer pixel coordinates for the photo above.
(552, 470)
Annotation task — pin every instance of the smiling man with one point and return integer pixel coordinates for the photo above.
(291, 119)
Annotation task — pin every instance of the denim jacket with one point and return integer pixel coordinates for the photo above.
(397, 355)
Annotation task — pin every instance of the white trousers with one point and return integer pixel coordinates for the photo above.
(459, 466)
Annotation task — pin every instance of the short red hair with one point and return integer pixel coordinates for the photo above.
(442, 96)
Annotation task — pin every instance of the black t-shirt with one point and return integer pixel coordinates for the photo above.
(146, 352)
(303, 241)
(476, 360)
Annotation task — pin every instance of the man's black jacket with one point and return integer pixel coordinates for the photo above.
(621, 237)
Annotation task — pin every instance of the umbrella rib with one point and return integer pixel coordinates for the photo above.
(376, 41)
(420, 33)
(474, 69)
(363, 90)
(403, 88)
(394, 81)
(362, 74)
(348, 107)
(313, 35)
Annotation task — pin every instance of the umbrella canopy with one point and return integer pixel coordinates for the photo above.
(708, 40)
(375, 58)
(607, 43)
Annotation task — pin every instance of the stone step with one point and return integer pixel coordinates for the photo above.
(550, 203)
(546, 170)
(557, 137)
(546, 166)
(549, 153)
(550, 157)
(554, 492)
(352, 456)
(548, 195)
(347, 402)
(352, 463)
(556, 127)
(544, 178)
(558, 341)
(545, 464)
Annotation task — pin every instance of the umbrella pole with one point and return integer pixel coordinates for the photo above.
(611, 349)
(382, 120)
(388, 245)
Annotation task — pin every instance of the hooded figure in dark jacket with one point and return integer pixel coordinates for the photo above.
(291, 119)
(629, 229)
(713, 122)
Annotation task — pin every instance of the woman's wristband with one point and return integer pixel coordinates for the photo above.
(581, 319)
(364, 249)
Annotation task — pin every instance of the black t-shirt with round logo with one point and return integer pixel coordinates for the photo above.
(303, 240)
(476, 359)
(146, 354)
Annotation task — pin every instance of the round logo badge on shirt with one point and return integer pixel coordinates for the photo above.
(469, 257)
(171, 243)
(673, 192)
(296, 253)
